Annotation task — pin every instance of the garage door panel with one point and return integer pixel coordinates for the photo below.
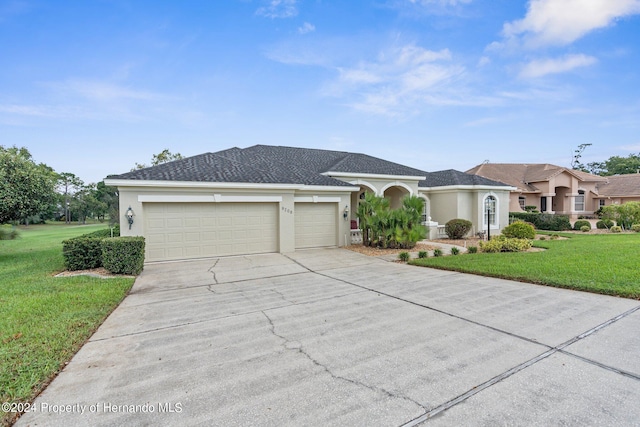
(191, 230)
(315, 225)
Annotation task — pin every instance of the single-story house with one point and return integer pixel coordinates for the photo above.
(550, 188)
(278, 199)
(619, 189)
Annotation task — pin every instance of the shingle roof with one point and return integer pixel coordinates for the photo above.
(270, 165)
(621, 185)
(454, 177)
(523, 176)
(266, 164)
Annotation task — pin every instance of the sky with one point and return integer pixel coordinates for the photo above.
(94, 87)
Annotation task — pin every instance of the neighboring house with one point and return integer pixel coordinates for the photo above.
(619, 189)
(550, 188)
(278, 199)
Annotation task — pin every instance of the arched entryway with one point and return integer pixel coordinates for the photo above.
(395, 194)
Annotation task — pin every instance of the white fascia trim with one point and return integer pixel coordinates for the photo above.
(215, 198)
(375, 176)
(326, 188)
(466, 187)
(198, 184)
(316, 199)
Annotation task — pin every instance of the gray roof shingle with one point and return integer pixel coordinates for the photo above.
(266, 164)
(454, 177)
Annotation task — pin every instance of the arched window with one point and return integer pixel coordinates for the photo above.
(580, 201)
(425, 209)
(490, 205)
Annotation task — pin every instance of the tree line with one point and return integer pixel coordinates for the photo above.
(614, 165)
(33, 192)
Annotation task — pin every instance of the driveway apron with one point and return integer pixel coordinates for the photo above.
(331, 337)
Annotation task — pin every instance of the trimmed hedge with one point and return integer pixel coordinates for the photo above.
(123, 255)
(82, 253)
(457, 228)
(85, 252)
(543, 221)
(581, 223)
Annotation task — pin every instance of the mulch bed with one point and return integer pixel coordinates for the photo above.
(367, 250)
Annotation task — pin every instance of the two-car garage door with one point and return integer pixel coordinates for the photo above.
(198, 230)
(195, 230)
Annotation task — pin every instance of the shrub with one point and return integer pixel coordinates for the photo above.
(85, 251)
(104, 233)
(636, 228)
(123, 255)
(581, 223)
(437, 252)
(423, 254)
(543, 238)
(542, 221)
(472, 249)
(403, 256)
(82, 253)
(505, 244)
(616, 229)
(555, 237)
(604, 223)
(455, 251)
(531, 208)
(457, 228)
(8, 232)
(519, 230)
(585, 228)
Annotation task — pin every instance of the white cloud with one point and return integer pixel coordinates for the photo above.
(399, 81)
(100, 91)
(543, 67)
(561, 22)
(306, 28)
(278, 9)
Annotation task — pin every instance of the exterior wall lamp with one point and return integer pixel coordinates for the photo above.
(129, 216)
(345, 213)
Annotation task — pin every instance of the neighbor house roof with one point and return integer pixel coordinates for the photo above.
(270, 165)
(621, 186)
(454, 177)
(524, 176)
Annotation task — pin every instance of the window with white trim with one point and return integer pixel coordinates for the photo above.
(579, 205)
(490, 205)
(425, 210)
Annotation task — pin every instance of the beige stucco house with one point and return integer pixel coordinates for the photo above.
(550, 188)
(279, 199)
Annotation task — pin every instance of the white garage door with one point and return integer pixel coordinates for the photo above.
(315, 225)
(194, 230)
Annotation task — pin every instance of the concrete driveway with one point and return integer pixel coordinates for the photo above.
(331, 337)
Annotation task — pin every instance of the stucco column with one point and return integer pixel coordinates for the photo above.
(550, 204)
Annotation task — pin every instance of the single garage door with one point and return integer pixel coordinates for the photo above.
(195, 230)
(315, 225)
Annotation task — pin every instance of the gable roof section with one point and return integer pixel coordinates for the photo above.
(453, 177)
(621, 186)
(523, 175)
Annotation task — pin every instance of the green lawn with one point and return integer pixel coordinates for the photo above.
(44, 320)
(604, 263)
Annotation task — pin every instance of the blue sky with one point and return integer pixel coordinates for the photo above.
(92, 87)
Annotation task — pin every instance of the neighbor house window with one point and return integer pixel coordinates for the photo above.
(490, 210)
(580, 201)
(523, 201)
(601, 203)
